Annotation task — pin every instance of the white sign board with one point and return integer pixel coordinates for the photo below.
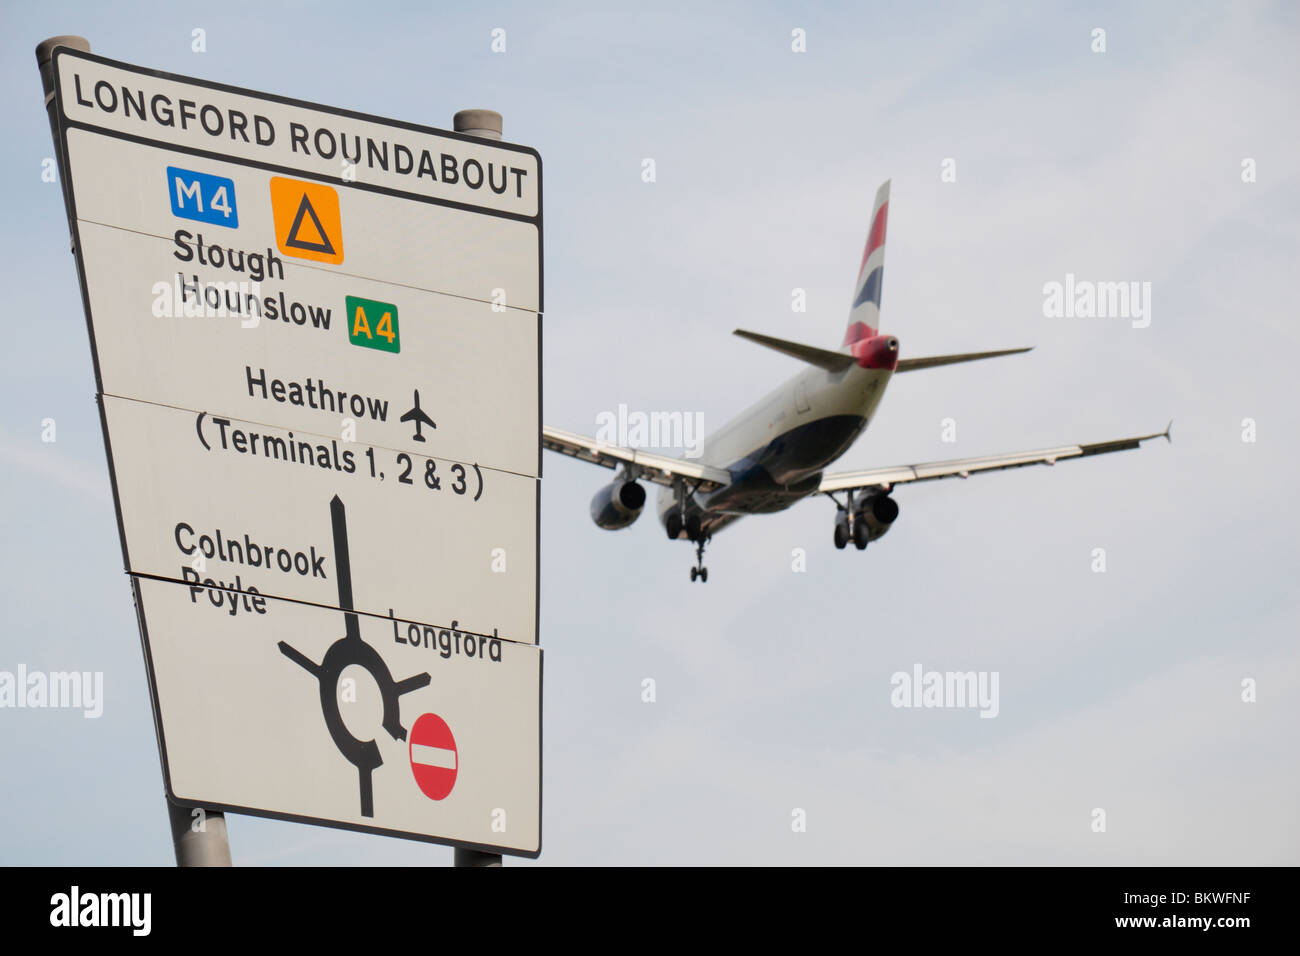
(432, 540)
(317, 345)
(325, 718)
(234, 339)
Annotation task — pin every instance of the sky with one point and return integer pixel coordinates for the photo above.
(1163, 691)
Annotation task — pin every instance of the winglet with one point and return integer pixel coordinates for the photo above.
(1168, 429)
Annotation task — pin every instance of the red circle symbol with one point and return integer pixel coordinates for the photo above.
(434, 760)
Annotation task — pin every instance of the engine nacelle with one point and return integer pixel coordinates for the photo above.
(878, 513)
(617, 505)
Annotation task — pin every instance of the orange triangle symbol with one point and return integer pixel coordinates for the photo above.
(295, 240)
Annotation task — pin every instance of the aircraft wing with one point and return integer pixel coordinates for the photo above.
(659, 469)
(417, 415)
(885, 479)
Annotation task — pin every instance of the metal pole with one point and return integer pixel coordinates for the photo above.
(198, 843)
(465, 857)
(485, 124)
(44, 61)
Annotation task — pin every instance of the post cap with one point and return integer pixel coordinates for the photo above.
(45, 49)
(45, 54)
(484, 123)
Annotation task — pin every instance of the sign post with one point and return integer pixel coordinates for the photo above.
(316, 338)
(488, 124)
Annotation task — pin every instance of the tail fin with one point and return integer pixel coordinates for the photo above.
(864, 314)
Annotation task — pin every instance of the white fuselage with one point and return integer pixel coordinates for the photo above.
(775, 447)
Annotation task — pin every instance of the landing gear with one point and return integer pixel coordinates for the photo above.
(846, 529)
(700, 571)
(864, 521)
(679, 520)
(860, 535)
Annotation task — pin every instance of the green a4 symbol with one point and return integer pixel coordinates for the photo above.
(373, 325)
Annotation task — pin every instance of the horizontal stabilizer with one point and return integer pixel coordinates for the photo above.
(822, 358)
(934, 361)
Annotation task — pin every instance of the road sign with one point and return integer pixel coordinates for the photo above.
(317, 341)
(234, 329)
(307, 222)
(203, 198)
(434, 757)
(207, 497)
(320, 719)
(373, 325)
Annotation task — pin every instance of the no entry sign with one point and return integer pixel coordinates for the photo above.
(434, 760)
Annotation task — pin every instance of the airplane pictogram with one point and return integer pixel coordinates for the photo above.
(420, 419)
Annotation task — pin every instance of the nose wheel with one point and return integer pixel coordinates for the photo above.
(700, 572)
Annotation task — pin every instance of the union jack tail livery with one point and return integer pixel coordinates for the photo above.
(864, 314)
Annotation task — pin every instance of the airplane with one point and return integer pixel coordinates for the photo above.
(420, 419)
(775, 453)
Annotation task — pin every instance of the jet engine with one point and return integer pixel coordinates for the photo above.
(617, 505)
(877, 514)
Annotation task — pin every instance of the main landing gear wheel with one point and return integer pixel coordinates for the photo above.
(841, 536)
(700, 571)
(860, 533)
(674, 526)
